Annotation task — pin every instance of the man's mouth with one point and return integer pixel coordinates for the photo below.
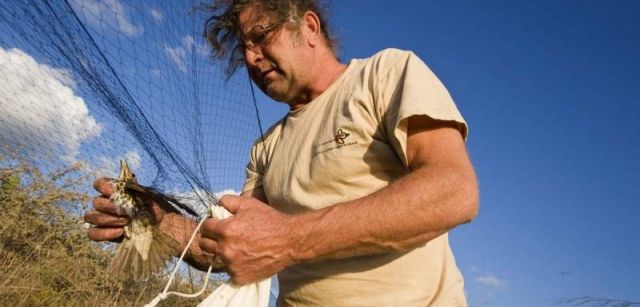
(265, 73)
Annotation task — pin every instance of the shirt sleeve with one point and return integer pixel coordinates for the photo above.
(254, 169)
(406, 87)
(260, 156)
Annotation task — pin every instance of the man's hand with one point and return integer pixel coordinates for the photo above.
(439, 193)
(108, 223)
(255, 243)
(107, 219)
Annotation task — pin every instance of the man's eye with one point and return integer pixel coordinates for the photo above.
(259, 37)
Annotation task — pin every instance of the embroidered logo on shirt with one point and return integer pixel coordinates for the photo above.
(341, 136)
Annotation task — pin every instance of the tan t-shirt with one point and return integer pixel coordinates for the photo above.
(345, 144)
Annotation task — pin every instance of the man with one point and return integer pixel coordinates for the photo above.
(349, 198)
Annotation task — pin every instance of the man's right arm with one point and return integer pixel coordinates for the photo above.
(181, 229)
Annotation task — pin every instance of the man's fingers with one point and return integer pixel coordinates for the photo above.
(105, 233)
(103, 204)
(101, 219)
(107, 219)
(231, 203)
(104, 186)
(209, 228)
(208, 245)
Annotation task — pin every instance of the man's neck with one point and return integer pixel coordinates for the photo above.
(327, 71)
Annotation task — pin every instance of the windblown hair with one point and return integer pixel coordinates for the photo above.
(221, 28)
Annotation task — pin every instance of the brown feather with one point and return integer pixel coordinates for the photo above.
(142, 236)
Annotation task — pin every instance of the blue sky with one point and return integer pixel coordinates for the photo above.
(550, 90)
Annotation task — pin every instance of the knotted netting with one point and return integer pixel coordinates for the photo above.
(86, 83)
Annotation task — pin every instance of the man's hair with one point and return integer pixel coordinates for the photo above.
(221, 28)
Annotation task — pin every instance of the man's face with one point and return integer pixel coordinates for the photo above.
(276, 64)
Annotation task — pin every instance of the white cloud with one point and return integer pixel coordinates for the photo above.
(178, 54)
(491, 281)
(111, 13)
(39, 109)
(190, 44)
(157, 15)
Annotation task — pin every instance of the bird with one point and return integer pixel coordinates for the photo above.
(144, 249)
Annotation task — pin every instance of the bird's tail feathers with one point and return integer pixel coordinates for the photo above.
(129, 263)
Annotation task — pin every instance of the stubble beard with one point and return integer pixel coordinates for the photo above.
(278, 89)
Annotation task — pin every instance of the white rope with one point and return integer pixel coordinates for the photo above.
(165, 293)
(228, 294)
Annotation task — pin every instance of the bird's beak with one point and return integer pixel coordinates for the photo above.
(125, 172)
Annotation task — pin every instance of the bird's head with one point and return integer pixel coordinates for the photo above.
(125, 173)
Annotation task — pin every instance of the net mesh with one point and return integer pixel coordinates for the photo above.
(90, 82)
(98, 81)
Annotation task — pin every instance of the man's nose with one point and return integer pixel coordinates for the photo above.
(253, 56)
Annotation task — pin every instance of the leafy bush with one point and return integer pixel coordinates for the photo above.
(45, 255)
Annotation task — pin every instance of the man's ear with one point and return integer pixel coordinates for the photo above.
(311, 27)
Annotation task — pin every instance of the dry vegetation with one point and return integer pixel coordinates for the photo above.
(46, 258)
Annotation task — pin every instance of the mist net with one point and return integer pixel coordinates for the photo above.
(99, 81)
(91, 82)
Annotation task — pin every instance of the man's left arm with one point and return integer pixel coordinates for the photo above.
(437, 194)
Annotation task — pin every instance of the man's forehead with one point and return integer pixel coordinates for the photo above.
(251, 16)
